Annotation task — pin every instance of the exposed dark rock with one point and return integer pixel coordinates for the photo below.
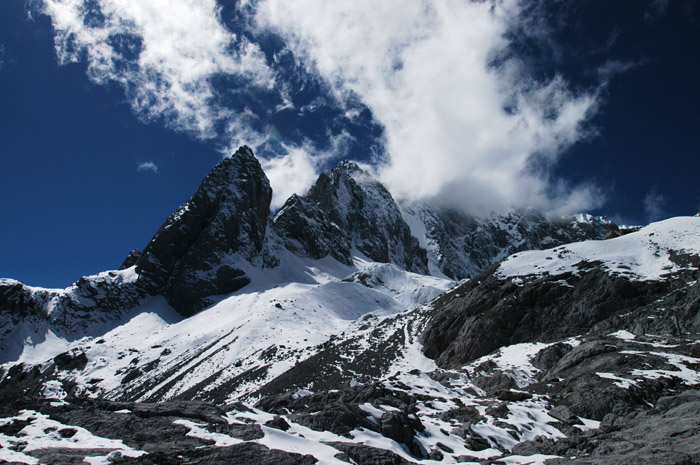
(73, 360)
(547, 308)
(278, 423)
(248, 453)
(14, 427)
(563, 414)
(494, 383)
(307, 231)
(550, 355)
(396, 426)
(668, 434)
(91, 299)
(348, 208)
(245, 432)
(131, 259)
(20, 302)
(339, 411)
(366, 455)
(512, 396)
(190, 257)
(339, 419)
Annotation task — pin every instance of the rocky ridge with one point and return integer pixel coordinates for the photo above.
(346, 210)
(197, 252)
(462, 245)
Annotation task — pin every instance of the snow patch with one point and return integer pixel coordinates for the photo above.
(648, 254)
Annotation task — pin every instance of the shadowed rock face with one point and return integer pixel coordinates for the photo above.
(195, 253)
(306, 230)
(464, 245)
(348, 208)
(489, 312)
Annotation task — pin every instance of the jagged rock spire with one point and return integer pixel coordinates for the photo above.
(347, 208)
(195, 253)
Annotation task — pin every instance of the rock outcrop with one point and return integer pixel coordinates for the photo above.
(462, 245)
(197, 252)
(347, 209)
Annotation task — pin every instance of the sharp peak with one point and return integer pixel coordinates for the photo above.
(352, 169)
(243, 157)
(244, 150)
(347, 165)
(244, 153)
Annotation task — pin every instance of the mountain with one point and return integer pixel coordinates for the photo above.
(335, 332)
(198, 251)
(460, 245)
(348, 211)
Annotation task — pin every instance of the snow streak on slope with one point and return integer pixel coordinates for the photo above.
(652, 253)
(246, 338)
(55, 317)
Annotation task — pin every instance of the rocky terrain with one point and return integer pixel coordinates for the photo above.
(335, 332)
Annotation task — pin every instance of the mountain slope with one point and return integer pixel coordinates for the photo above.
(461, 245)
(631, 282)
(369, 392)
(319, 343)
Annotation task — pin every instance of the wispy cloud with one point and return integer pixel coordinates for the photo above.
(164, 54)
(612, 68)
(148, 166)
(656, 9)
(654, 206)
(459, 114)
(3, 55)
(454, 121)
(290, 174)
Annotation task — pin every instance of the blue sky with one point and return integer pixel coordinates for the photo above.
(111, 112)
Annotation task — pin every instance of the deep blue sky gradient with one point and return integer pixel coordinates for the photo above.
(75, 204)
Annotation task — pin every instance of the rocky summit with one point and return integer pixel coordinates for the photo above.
(348, 327)
(194, 255)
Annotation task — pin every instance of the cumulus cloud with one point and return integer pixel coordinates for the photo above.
(290, 174)
(163, 52)
(148, 166)
(461, 116)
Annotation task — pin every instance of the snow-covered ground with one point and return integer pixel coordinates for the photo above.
(647, 254)
(279, 319)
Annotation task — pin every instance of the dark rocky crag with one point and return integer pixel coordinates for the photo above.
(346, 208)
(465, 245)
(549, 308)
(194, 254)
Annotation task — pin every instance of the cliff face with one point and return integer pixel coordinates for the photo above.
(347, 209)
(196, 253)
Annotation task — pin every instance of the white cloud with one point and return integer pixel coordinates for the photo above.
(148, 166)
(612, 68)
(3, 55)
(656, 9)
(163, 52)
(654, 206)
(424, 69)
(290, 174)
